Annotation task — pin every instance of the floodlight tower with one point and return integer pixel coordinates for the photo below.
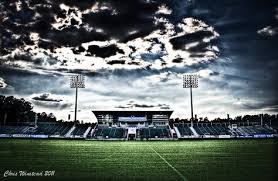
(77, 81)
(190, 81)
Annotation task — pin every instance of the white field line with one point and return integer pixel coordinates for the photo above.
(108, 157)
(183, 177)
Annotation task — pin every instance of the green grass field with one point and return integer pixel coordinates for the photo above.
(214, 160)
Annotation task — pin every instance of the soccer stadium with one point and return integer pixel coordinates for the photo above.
(138, 125)
(138, 90)
(128, 144)
(139, 145)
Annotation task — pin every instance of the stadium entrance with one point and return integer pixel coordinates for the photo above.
(131, 134)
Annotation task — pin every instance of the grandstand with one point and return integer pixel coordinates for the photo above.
(137, 125)
(52, 129)
(132, 125)
(253, 130)
(211, 129)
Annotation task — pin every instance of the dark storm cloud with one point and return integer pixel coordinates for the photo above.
(18, 23)
(103, 51)
(139, 73)
(251, 66)
(133, 63)
(78, 50)
(73, 36)
(47, 28)
(48, 100)
(177, 60)
(7, 71)
(129, 16)
(26, 82)
(122, 107)
(132, 104)
(267, 106)
(28, 57)
(113, 62)
(46, 97)
(53, 105)
(137, 106)
(20, 18)
(143, 105)
(236, 21)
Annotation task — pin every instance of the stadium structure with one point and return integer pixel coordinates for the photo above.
(131, 125)
(137, 125)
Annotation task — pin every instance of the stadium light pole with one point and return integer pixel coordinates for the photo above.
(76, 81)
(190, 81)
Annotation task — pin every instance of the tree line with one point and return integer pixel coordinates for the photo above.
(14, 110)
(273, 119)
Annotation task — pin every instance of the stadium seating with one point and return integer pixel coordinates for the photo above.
(154, 132)
(207, 129)
(80, 129)
(184, 129)
(52, 129)
(221, 129)
(253, 130)
(13, 129)
(65, 129)
(109, 132)
(41, 129)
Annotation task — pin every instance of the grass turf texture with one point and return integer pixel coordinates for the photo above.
(160, 160)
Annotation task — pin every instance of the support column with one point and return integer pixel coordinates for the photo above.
(261, 119)
(75, 112)
(36, 120)
(191, 99)
(5, 118)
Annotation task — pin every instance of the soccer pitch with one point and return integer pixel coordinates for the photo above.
(150, 160)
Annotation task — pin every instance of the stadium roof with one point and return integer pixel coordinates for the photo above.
(126, 112)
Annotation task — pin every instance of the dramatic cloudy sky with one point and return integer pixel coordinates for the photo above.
(134, 53)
